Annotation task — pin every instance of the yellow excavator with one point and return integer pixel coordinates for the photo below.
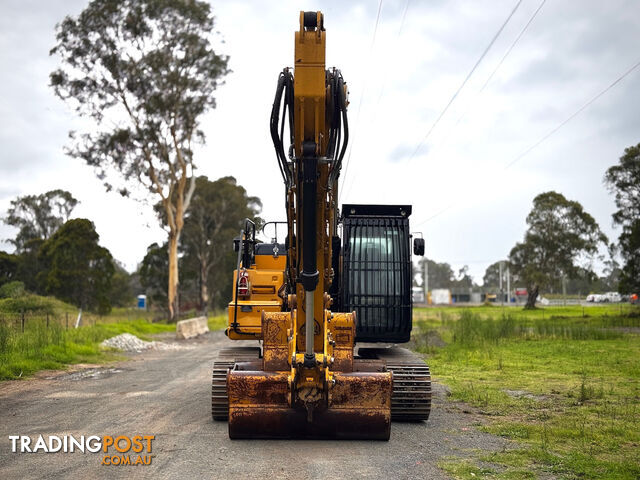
(340, 276)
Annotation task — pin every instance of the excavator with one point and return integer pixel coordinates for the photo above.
(329, 303)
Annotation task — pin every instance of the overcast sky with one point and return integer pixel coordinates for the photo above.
(470, 207)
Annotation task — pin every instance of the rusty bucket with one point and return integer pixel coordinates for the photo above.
(358, 406)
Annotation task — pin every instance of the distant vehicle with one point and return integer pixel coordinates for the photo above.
(612, 297)
(609, 297)
(441, 296)
(418, 295)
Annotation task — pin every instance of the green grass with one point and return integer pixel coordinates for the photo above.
(31, 304)
(217, 321)
(43, 347)
(563, 386)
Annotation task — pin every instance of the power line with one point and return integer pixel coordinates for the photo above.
(524, 29)
(486, 50)
(490, 77)
(572, 116)
(384, 82)
(364, 86)
(549, 134)
(386, 76)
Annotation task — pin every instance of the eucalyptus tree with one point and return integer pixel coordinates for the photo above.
(37, 217)
(561, 240)
(623, 180)
(144, 72)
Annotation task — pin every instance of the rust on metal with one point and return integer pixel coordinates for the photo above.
(275, 326)
(359, 407)
(285, 422)
(368, 390)
(343, 332)
(254, 388)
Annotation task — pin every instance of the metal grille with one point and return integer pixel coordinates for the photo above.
(377, 277)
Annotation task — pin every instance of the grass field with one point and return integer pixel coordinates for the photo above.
(562, 382)
(51, 345)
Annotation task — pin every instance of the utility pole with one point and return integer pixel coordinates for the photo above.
(508, 287)
(425, 280)
(501, 291)
(564, 290)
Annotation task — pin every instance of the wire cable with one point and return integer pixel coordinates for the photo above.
(572, 116)
(386, 76)
(455, 95)
(490, 77)
(364, 86)
(384, 82)
(548, 134)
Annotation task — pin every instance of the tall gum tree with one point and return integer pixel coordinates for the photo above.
(144, 72)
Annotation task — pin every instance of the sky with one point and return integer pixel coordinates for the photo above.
(470, 186)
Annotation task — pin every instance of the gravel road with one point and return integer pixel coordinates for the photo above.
(167, 394)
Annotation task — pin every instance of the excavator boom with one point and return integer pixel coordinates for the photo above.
(306, 380)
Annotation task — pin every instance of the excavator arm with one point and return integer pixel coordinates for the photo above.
(307, 383)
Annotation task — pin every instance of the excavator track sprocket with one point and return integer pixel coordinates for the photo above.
(224, 362)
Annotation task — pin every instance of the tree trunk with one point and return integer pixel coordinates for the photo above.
(531, 298)
(204, 290)
(174, 283)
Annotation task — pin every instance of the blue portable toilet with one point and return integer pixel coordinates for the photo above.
(142, 302)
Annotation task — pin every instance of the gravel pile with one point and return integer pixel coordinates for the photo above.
(130, 343)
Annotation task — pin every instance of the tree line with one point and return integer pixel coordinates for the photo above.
(61, 256)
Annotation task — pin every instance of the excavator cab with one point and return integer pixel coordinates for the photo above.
(376, 272)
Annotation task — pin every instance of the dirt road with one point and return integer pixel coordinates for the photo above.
(167, 394)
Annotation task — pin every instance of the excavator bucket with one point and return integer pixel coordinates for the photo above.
(358, 407)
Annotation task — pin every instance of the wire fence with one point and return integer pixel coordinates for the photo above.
(20, 322)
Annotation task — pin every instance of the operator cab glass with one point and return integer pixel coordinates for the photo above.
(377, 272)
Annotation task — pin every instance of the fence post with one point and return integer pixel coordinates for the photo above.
(67, 314)
(22, 318)
(47, 320)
